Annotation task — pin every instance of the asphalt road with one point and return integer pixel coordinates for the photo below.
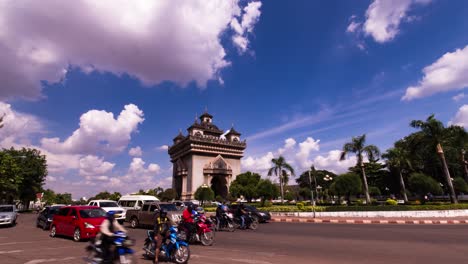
(271, 243)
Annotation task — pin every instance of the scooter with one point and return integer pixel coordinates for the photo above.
(173, 249)
(121, 251)
(204, 233)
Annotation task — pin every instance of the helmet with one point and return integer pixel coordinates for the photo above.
(163, 213)
(110, 215)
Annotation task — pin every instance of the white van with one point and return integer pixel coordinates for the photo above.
(135, 201)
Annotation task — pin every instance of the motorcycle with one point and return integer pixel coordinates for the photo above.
(226, 223)
(174, 249)
(251, 222)
(204, 233)
(121, 251)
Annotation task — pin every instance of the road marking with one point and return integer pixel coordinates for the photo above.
(14, 243)
(11, 251)
(48, 260)
(252, 261)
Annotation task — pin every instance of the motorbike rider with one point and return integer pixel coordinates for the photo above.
(107, 229)
(220, 211)
(241, 213)
(161, 230)
(188, 218)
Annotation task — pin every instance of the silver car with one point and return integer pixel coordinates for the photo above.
(8, 215)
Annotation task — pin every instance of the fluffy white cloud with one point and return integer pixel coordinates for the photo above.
(305, 148)
(135, 152)
(99, 132)
(448, 73)
(257, 164)
(93, 167)
(152, 41)
(332, 162)
(18, 126)
(383, 19)
(163, 147)
(461, 117)
(458, 97)
(289, 144)
(138, 176)
(245, 25)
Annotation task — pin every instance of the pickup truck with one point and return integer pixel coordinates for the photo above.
(145, 215)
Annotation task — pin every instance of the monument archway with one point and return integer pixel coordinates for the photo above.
(218, 175)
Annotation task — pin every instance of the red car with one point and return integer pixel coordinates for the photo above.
(79, 222)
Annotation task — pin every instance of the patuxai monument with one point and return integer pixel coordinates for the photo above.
(206, 155)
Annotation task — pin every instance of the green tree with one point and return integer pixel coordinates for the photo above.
(266, 190)
(280, 166)
(433, 131)
(245, 184)
(49, 197)
(10, 177)
(347, 184)
(64, 198)
(398, 158)
(357, 146)
(422, 184)
(460, 186)
(168, 195)
(204, 193)
(115, 196)
(459, 140)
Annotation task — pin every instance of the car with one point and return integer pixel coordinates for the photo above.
(262, 216)
(181, 205)
(135, 201)
(145, 215)
(8, 215)
(45, 217)
(78, 222)
(109, 205)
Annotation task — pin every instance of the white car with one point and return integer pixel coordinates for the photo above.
(8, 215)
(109, 205)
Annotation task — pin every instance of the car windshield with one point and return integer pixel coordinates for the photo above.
(5, 209)
(108, 204)
(92, 213)
(168, 207)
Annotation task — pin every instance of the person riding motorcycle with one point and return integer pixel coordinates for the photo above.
(107, 229)
(241, 212)
(220, 211)
(188, 218)
(161, 230)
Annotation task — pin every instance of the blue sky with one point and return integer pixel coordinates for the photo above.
(297, 80)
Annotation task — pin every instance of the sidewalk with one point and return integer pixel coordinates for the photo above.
(368, 220)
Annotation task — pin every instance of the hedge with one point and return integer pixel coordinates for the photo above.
(365, 208)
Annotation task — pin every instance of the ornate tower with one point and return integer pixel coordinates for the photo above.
(205, 156)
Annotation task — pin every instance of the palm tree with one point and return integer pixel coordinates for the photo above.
(357, 145)
(433, 131)
(280, 168)
(397, 158)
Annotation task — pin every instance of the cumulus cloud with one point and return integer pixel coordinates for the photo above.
(18, 126)
(243, 25)
(289, 144)
(262, 163)
(138, 176)
(448, 73)
(135, 152)
(305, 148)
(95, 168)
(331, 162)
(152, 41)
(383, 19)
(163, 147)
(99, 131)
(458, 97)
(461, 117)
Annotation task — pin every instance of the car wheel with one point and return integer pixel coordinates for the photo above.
(53, 231)
(134, 223)
(77, 235)
(45, 226)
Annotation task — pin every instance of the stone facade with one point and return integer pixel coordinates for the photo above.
(206, 155)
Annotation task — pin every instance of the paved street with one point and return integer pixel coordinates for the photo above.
(272, 243)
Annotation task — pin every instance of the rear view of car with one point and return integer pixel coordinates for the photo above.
(8, 215)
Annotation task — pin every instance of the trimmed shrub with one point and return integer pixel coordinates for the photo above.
(391, 202)
(300, 206)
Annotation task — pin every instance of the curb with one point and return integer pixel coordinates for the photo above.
(367, 221)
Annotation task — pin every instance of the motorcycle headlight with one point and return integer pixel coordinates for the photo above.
(88, 225)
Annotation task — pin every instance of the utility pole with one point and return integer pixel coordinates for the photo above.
(312, 191)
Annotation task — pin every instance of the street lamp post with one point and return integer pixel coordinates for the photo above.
(312, 192)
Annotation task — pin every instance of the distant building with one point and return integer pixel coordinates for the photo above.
(206, 155)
